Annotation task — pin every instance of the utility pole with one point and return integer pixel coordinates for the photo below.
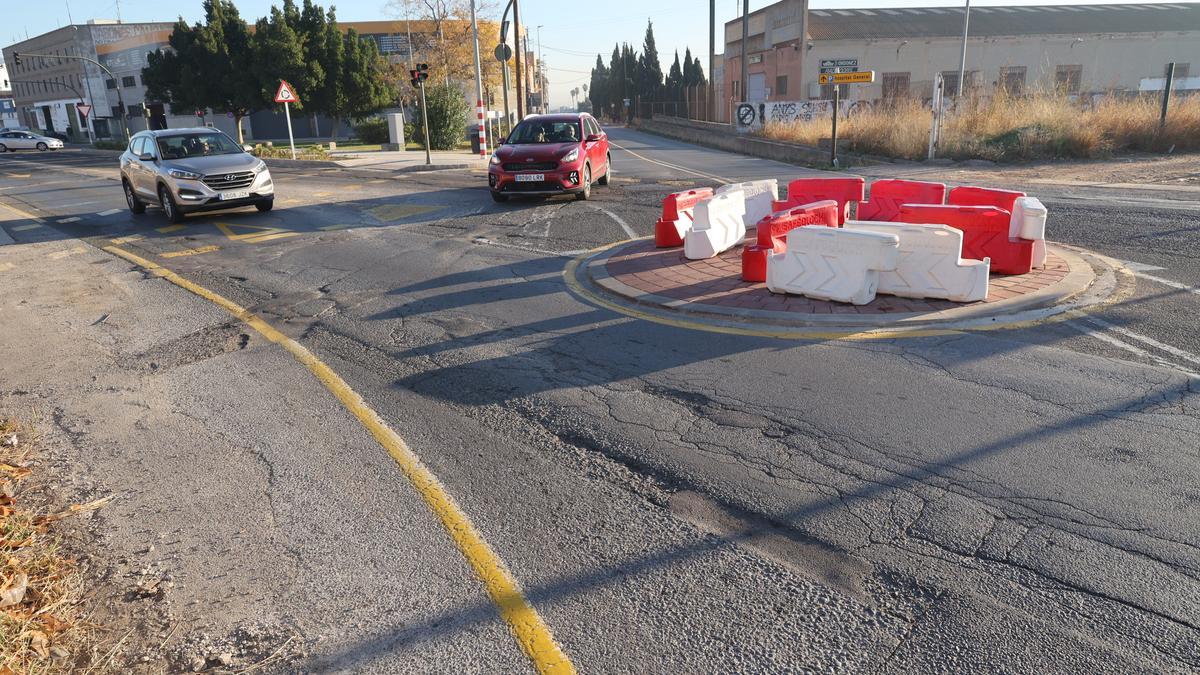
(962, 63)
(712, 53)
(745, 59)
(479, 107)
(541, 72)
(1168, 84)
(520, 74)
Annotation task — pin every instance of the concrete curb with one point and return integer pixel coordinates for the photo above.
(1078, 289)
(6, 238)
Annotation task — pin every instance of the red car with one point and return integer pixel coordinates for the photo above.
(551, 155)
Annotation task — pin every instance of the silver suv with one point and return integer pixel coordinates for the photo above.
(187, 170)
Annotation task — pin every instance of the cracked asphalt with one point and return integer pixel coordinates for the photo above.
(1008, 501)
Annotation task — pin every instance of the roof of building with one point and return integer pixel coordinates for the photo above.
(925, 22)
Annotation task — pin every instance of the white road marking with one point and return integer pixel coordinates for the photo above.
(1099, 334)
(1140, 267)
(25, 228)
(1174, 351)
(488, 242)
(110, 212)
(619, 220)
(1166, 282)
(64, 221)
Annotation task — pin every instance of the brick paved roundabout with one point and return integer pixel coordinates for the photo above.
(661, 284)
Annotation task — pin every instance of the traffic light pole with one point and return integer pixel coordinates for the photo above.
(425, 122)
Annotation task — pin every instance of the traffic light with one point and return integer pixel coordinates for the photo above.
(419, 74)
(16, 58)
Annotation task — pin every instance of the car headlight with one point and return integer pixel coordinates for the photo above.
(571, 156)
(495, 160)
(186, 175)
(260, 167)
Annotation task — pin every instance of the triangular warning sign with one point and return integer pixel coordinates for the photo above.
(83, 109)
(285, 94)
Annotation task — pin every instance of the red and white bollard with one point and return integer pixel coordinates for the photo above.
(482, 129)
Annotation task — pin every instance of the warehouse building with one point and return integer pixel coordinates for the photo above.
(1080, 49)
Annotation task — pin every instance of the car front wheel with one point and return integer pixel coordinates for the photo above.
(497, 197)
(135, 204)
(586, 192)
(3, 147)
(42, 146)
(169, 207)
(265, 205)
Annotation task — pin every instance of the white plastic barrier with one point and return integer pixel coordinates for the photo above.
(719, 225)
(832, 264)
(1029, 222)
(931, 263)
(759, 196)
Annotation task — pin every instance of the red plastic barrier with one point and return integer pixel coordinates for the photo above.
(889, 194)
(968, 195)
(677, 216)
(985, 233)
(772, 234)
(808, 190)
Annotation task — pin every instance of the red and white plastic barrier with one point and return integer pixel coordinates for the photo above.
(719, 225)
(930, 264)
(761, 196)
(887, 195)
(771, 236)
(1029, 222)
(832, 264)
(844, 191)
(970, 195)
(985, 233)
(678, 213)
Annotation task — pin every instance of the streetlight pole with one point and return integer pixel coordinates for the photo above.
(962, 63)
(479, 107)
(520, 74)
(541, 71)
(745, 39)
(712, 53)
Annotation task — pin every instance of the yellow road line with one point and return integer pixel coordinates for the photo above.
(684, 169)
(190, 251)
(59, 255)
(4, 267)
(126, 240)
(171, 228)
(527, 627)
(269, 237)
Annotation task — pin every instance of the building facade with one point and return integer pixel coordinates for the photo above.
(8, 106)
(1079, 49)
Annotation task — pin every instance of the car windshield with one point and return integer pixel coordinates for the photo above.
(538, 131)
(197, 145)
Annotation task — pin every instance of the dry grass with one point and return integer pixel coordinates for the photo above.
(1005, 128)
(41, 588)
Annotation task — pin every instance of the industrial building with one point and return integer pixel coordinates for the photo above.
(1079, 49)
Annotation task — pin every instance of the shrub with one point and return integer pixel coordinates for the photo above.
(447, 117)
(285, 152)
(372, 130)
(1011, 128)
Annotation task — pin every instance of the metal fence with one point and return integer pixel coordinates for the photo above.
(701, 103)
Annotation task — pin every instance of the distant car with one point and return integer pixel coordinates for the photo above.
(551, 155)
(189, 170)
(26, 140)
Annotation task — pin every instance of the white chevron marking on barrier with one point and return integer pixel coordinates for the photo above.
(832, 264)
(759, 196)
(931, 263)
(718, 225)
(1029, 222)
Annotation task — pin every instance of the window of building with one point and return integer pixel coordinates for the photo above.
(116, 112)
(1012, 79)
(950, 78)
(129, 81)
(781, 85)
(1068, 78)
(895, 85)
(111, 84)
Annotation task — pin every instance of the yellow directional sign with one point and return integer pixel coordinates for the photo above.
(859, 77)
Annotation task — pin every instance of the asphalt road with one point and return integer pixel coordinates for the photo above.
(1010, 501)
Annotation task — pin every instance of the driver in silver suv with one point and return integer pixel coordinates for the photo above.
(187, 170)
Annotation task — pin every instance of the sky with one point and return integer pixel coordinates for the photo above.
(572, 33)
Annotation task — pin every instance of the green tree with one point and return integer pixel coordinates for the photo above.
(172, 76)
(447, 116)
(650, 75)
(598, 87)
(279, 55)
(362, 76)
(675, 80)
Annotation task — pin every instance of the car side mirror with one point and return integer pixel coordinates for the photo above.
(592, 138)
(246, 147)
(146, 157)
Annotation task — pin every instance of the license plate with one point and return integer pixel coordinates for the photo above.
(531, 177)
(241, 194)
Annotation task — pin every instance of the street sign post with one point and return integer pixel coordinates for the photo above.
(419, 75)
(83, 109)
(287, 95)
(859, 77)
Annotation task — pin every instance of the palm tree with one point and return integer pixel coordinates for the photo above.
(574, 93)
